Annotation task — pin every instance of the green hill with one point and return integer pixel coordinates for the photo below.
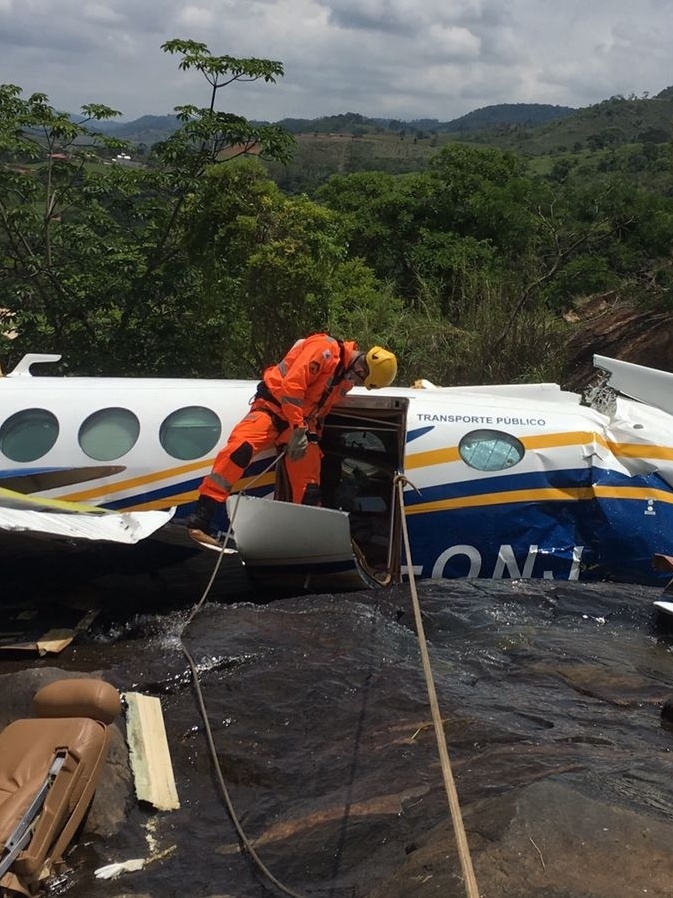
(632, 135)
(150, 128)
(609, 124)
(147, 129)
(507, 115)
(531, 128)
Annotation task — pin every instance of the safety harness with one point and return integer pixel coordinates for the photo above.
(339, 374)
(265, 394)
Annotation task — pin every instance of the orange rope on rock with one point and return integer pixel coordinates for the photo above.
(471, 888)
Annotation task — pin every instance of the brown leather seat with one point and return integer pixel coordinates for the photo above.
(72, 716)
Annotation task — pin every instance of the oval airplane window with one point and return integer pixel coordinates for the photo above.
(490, 450)
(190, 432)
(28, 434)
(109, 433)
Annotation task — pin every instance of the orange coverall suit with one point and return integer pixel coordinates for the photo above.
(298, 392)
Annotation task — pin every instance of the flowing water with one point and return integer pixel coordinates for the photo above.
(320, 714)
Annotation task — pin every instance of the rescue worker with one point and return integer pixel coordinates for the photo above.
(288, 411)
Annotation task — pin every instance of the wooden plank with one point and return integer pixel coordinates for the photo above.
(149, 754)
(52, 642)
(18, 646)
(55, 640)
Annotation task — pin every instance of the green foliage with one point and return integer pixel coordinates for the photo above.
(270, 262)
(206, 134)
(95, 263)
(439, 233)
(318, 156)
(477, 244)
(460, 257)
(381, 214)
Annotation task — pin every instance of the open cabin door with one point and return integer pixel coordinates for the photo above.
(353, 539)
(363, 445)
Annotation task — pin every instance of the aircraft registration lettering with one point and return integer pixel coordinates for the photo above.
(505, 562)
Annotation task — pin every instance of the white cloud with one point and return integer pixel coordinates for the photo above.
(97, 13)
(454, 43)
(402, 58)
(195, 17)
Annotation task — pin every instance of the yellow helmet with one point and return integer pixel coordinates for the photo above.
(382, 368)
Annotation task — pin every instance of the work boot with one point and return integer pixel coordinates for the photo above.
(202, 516)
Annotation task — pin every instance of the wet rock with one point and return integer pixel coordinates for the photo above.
(548, 839)
(321, 722)
(115, 790)
(667, 714)
(114, 793)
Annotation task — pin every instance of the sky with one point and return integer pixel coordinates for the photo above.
(404, 59)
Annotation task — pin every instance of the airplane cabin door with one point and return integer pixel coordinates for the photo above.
(363, 446)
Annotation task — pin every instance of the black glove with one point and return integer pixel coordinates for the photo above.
(202, 516)
(297, 445)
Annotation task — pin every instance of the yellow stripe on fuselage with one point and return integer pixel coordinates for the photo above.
(431, 457)
(544, 494)
(449, 454)
(142, 481)
(641, 450)
(184, 498)
(174, 499)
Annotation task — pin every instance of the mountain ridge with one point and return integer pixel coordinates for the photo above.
(629, 134)
(495, 115)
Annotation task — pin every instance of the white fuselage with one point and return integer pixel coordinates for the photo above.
(503, 481)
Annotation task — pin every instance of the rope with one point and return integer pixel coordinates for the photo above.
(244, 840)
(471, 889)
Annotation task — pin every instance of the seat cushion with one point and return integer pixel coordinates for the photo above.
(27, 749)
(78, 697)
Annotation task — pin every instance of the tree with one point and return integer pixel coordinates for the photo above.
(381, 214)
(93, 261)
(42, 173)
(410, 228)
(267, 261)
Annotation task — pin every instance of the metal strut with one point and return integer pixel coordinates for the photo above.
(23, 831)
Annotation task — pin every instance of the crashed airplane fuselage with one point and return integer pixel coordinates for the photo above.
(501, 481)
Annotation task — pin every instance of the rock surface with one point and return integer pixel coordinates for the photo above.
(610, 326)
(550, 693)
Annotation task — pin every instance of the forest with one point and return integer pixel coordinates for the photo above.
(464, 253)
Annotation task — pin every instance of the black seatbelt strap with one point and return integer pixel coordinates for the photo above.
(23, 831)
(263, 392)
(337, 377)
